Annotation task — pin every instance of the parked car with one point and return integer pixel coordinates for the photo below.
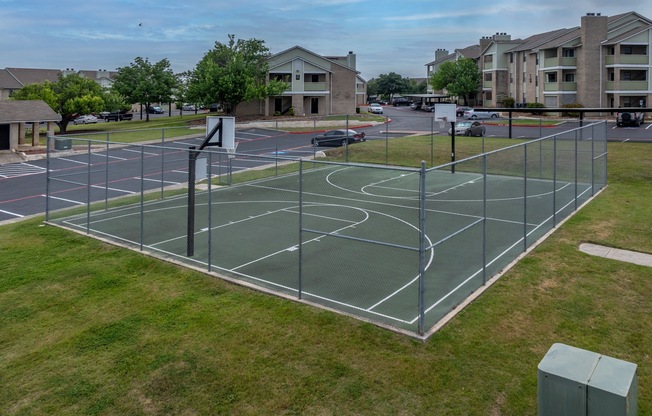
(459, 111)
(119, 116)
(428, 107)
(188, 107)
(155, 110)
(375, 108)
(340, 137)
(468, 128)
(473, 114)
(401, 101)
(630, 119)
(104, 114)
(89, 119)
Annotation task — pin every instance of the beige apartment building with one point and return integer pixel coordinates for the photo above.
(604, 62)
(316, 85)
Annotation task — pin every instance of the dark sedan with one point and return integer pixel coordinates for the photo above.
(338, 138)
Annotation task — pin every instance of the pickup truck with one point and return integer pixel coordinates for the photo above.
(630, 119)
(119, 116)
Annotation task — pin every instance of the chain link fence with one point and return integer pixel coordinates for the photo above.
(399, 246)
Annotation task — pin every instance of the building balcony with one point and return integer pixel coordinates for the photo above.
(488, 66)
(568, 61)
(487, 85)
(557, 62)
(627, 86)
(314, 86)
(626, 59)
(634, 59)
(560, 86)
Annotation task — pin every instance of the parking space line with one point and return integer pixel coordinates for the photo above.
(11, 213)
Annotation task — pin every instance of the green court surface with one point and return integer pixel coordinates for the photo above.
(354, 238)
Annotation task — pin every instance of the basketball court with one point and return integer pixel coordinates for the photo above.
(400, 247)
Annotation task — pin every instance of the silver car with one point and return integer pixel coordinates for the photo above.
(468, 128)
(473, 114)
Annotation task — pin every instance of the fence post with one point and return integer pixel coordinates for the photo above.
(422, 245)
(210, 208)
(484, 219)
(525, 197)
(142, 196)
(48, 142)
(554, 181)
(299, 288)
(88, 191)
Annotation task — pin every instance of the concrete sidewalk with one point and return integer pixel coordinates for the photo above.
(641, 259)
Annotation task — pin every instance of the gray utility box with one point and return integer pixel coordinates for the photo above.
(62, 144)
(576, 382)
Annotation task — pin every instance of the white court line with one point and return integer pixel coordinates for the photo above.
(11, 213)
(155, 180)
(64, 199)
(73, 161)
(139, 152)
(114, 189)
(104, 155)
(252, 134)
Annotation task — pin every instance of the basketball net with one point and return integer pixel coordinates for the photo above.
(231, 151)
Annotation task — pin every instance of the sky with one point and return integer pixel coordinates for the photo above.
(398, 36)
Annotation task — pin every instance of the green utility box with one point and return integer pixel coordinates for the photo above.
(576, 382)
(62, 144)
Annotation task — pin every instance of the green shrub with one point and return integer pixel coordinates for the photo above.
(508, 102)
(536, 105)
(291, 111)
(575, 114)
(277, 113)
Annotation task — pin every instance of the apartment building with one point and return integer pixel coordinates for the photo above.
(604, 62)
(12, 79)
(316, 85)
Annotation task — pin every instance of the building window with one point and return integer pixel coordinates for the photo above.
(314, 78)
(511, 57)
(524, 57)
(626, 50)
(488, 59)
(536, 81)
(570, 77)
(551, 77)
(568, 53)
(488, 95)
(488, 77)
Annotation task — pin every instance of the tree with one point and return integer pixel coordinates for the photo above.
(390, 84)
(145, 83)
(70, 96)
(412, 86)
(233, 73)
(460, 78)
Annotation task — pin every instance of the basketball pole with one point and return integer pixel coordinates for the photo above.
(192, 164)
(453, 146)
(193, 153)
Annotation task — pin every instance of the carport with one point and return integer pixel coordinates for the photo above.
(15, 116)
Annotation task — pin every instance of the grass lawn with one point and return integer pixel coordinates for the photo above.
(89, 328)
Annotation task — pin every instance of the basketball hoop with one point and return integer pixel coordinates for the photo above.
(442, 122)
(231, 150)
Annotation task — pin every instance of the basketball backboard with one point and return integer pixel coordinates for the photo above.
(445, 112)
(227, 133)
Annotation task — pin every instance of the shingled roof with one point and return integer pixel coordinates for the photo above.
(26, 111)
